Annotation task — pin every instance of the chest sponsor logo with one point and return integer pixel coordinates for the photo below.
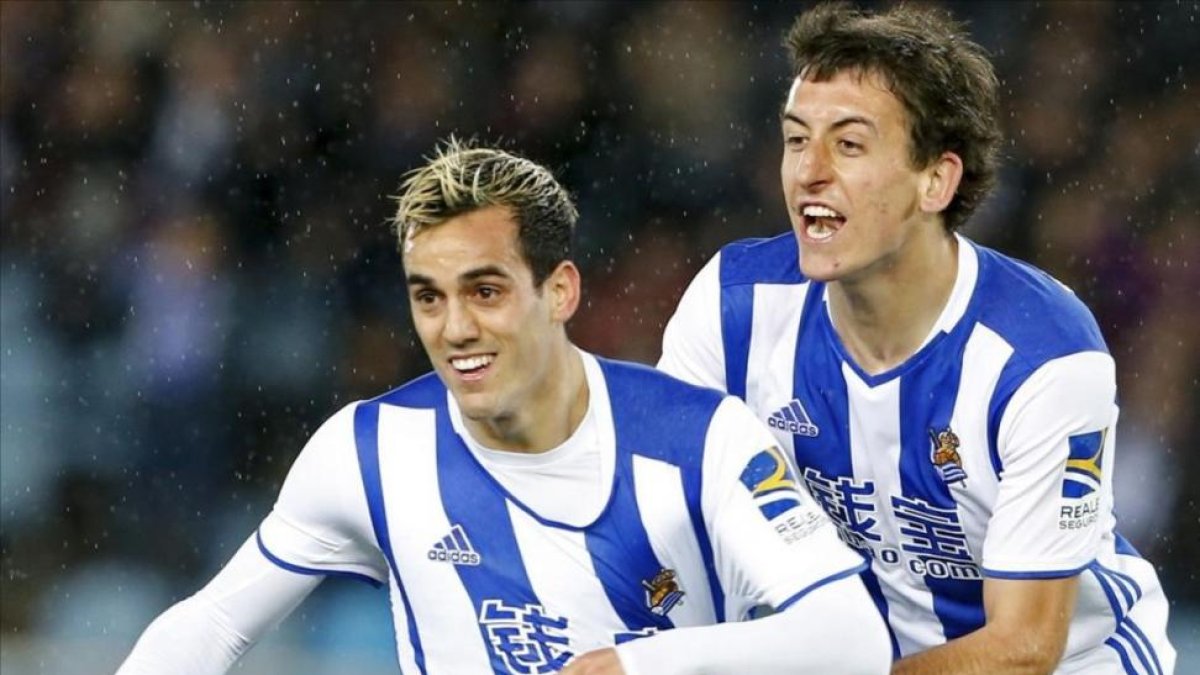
(528, 639)
(931, 539)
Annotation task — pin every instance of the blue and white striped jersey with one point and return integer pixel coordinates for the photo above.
(701, 520)
(987, 453)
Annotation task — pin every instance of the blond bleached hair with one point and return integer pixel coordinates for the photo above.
(461, 177)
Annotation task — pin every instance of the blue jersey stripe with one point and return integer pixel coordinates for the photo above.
(640, 430)
(737, 317)
(1123, 546)
(817, 381)
(876, 591)
(1117, 583)
(1126, 663)
(1138, 652)
(693, 480)
(620, 535)
(1115, 604)
(475, 502)
(1145, 641)
(927, 398)
(366, 439)
(1127, 580)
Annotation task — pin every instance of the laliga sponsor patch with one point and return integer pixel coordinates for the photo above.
(771, 483)
(1081, 481)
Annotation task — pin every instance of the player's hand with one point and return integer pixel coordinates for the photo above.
(598, 662)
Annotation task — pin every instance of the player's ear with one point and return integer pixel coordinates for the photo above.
(563, 288)
(939, 182)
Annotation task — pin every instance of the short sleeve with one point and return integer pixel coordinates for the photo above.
(772, 543)
(1055, 444)
(692, 348)
(320, 523)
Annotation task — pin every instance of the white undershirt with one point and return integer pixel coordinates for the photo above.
(568, 484)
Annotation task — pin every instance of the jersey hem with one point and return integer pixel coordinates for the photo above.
(309, 571)
(1039, 574)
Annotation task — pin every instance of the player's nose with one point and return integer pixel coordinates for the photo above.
(812, 168)
(461, 325)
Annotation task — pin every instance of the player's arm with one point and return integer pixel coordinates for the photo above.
(1035, 546)
(772, 546)
(1026, 631)
(206, 633)
(832, 629)
(319, 526)
(692, 349)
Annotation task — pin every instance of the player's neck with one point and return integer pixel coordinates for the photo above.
(884, 316)
(551, 415)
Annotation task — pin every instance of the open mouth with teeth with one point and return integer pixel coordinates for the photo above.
(821, 222)
(472, 367)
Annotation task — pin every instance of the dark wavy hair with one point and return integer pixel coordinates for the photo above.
(927, 60)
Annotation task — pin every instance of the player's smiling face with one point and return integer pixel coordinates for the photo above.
(852, 194)
(487, 330)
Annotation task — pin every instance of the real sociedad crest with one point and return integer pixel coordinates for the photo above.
(662, 592)
(943, 453)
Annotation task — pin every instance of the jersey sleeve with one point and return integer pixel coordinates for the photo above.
(321, 523)
(692, 349)
(1055, 443)
(772, 543)
(206, 633)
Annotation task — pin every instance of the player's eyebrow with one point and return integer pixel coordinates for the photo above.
(485, 271)
(840, 123)
(418, 279)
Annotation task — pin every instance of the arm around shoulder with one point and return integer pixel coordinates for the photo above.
(832, 629)
(1026, 632)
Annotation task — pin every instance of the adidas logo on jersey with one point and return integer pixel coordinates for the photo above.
(794, 419)
(455, 548)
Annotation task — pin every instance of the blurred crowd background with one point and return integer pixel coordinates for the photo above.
(196, 266)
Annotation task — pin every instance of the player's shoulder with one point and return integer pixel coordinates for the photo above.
(773, 260)
(426, 391)
(657, 415)
(1038, 316)
(637, 386)
(337, 433)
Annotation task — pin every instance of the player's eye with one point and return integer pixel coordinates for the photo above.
(850, 147)
(425, 298)
(487, 292)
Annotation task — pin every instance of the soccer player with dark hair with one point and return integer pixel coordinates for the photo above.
(953, 409)
(533, 508)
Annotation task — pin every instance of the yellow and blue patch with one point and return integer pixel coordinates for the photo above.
(771, 483)
(1084, 464)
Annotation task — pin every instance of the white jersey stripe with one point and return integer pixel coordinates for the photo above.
(658, 487)
(565, 581)
(773, 353)
(416, 520)
(909, 603)
(984, 358)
